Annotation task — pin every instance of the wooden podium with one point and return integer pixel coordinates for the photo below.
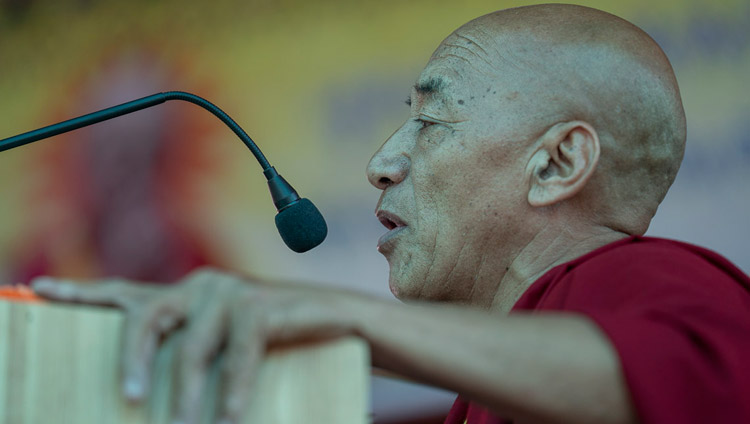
(59, 364)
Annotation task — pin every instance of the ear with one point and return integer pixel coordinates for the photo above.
(565, 159)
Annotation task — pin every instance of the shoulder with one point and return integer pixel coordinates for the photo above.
(643, 270)
(677, 316)
(652, 254)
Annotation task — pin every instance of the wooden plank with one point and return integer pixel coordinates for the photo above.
(59, 364)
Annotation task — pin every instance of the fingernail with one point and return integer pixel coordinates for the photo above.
(43, 283)
(64, 290)
(133, 389)
(166, 322)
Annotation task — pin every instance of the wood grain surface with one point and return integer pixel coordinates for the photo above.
(59, 364)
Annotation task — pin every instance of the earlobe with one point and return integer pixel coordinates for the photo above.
(565, 159)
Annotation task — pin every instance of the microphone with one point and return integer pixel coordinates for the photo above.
(300, 224)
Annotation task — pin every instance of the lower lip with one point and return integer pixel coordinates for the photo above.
(389, 236)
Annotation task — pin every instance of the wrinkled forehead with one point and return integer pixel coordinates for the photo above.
(473, 56)
(452, 70)
(469, 45)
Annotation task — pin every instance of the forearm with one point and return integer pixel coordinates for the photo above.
(534, 368)
(531, 368)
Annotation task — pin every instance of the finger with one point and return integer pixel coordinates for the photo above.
(243, 355)
(202, 340)
(139, 346)
(144, 328)
(106, 293)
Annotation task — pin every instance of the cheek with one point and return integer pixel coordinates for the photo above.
(462, 196)
(441, 229)
(446, 190)
(465, 194)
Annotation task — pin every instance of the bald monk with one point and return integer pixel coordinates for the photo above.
(540, 142)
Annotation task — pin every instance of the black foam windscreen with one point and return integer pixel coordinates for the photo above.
(301, 226)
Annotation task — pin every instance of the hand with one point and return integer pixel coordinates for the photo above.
(218, 311)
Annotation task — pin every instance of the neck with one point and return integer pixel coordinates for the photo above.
(547, 249)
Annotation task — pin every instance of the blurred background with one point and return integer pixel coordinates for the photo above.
(319, 85)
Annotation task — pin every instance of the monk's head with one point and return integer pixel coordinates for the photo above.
(526, 120)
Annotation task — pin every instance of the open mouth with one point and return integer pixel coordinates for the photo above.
(389, 220)
(393, 223)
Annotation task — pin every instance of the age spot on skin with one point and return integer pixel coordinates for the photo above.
(512, 96)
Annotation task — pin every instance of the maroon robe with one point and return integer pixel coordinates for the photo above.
(678, 316)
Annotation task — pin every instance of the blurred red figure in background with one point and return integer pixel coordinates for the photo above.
(115, 199)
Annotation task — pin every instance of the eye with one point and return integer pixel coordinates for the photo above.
(424, 123)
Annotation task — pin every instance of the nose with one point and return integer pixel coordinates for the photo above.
(390, 164)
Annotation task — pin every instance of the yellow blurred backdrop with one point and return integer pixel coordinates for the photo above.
(319, 85)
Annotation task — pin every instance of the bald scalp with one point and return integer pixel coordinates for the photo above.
(585, 64)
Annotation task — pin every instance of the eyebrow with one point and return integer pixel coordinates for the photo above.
(432, 85)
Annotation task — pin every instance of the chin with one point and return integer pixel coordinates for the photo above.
(401, 290)
(406, 278)
(396, 288)
(408, 293)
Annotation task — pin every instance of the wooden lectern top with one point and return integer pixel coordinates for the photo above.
(60, 364)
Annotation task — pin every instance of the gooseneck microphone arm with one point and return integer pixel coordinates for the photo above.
(300, 224)
(129, 107)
